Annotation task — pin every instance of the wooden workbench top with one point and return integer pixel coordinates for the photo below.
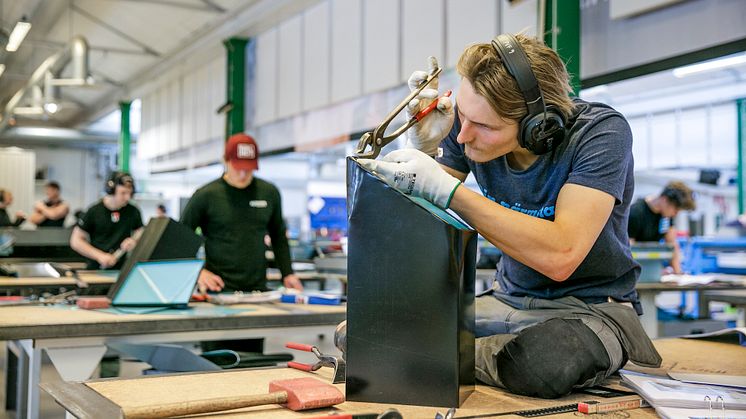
(89, 277)
(35, 322)
(115, 396)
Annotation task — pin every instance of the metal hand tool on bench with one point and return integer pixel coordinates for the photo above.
(339, 365)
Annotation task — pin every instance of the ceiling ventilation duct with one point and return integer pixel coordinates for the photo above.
(46, 78)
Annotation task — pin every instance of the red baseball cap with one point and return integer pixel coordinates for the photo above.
(242, 153)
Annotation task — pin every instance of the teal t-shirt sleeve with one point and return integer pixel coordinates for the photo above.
(602, 159)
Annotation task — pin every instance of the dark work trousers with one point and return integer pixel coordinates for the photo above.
(500, 317)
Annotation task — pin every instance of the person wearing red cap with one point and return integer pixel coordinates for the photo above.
(234, 213)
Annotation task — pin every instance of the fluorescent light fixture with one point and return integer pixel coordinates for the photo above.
(715, 64)
(51, 107)
(596, 90)
(28, 110)
(18, 35)
(2, 69)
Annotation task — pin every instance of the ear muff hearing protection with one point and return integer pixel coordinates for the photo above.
(543, 128)
(118, 178)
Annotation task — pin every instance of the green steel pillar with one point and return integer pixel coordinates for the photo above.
(124, 136)
(562, 34)
(235, 93)
(741, 104)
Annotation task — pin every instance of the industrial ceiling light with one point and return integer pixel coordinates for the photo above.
(51, 107)
(18, 35)
(711, 65)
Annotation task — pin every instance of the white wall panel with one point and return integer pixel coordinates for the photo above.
(188, 109)
(218, 79)
(468, 22)
(17, 169)
(266, 77)
(290, 68)
(381, 33)
(159, 147)
(663, 140)
(422, 34)
(692, 125)
(519, 17)
(202, 98)
(143, 144)
(346, 49)
(724, 134)
(316, 56)
(173, 142)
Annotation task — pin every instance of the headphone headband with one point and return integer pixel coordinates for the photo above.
(517, 64)
(543, 128)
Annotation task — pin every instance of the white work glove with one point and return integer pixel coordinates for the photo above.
(427, 134)
(415, 173)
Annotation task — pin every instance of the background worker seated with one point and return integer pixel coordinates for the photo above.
(6, 199)
(52, 211)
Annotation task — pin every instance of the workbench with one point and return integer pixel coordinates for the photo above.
(735, 298)
(98, 282)
(75, 340)
(109, 398)
(648, 290)
(89, 280)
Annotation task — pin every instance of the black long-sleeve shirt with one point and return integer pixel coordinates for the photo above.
(234, 222)
(5, 219)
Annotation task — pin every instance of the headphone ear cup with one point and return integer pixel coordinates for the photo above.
(530, 125)
(111, 183)
(542, 135)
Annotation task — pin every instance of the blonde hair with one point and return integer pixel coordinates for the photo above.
(484, 69)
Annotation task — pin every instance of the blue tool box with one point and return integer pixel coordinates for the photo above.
(715, 254)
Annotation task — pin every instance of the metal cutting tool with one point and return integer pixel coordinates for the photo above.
(370, 144)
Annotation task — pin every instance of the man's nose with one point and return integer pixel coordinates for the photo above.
(466, 134)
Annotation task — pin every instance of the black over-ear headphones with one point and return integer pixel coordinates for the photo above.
(118, 178)
(543, 128)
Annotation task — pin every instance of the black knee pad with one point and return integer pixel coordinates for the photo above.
(548, 359)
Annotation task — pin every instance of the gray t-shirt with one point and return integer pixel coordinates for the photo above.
(597, 153)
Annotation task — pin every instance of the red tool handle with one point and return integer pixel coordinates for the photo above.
(299, 346)
(429, 108)
(300, 366)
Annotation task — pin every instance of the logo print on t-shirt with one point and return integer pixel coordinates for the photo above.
(115, 217)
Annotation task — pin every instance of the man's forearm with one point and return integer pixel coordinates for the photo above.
(540, 244)
(86, 249)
